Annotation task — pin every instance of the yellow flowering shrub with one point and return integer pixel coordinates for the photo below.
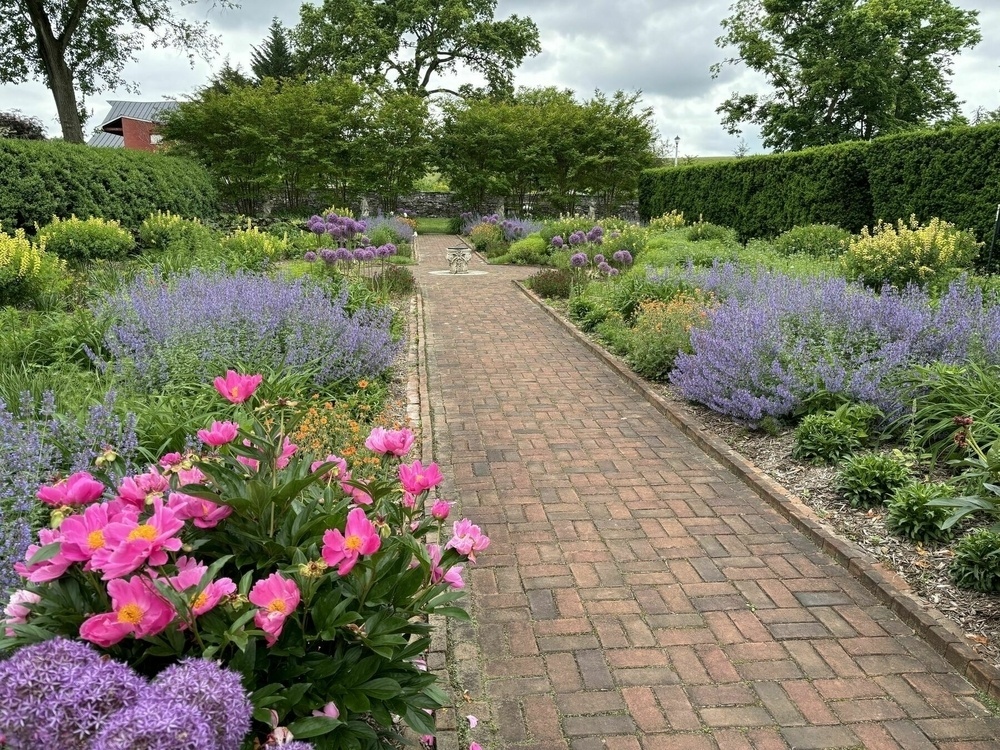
(672, 220)
(27, 271)
(663, 329)
(80, 240)
(484, 235)
(909, 252)
(253, 245)
(163, 231)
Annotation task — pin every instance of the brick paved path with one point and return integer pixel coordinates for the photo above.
(636, 595)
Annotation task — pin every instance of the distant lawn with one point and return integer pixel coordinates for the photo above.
(432, 225)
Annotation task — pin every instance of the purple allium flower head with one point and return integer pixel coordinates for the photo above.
(392, 248)
(316, 225)
(364, 240)
(342, 253)
(216, 691)
(327, 254)
(577, 238)
(157, 722)
(309, 256)
(604, 268)
(59, 693)
(599, 259)
(382, 251)
(595, 234)
(613, 272)
(297, 745)
(579, 260)
(624, 257)
(557, 241)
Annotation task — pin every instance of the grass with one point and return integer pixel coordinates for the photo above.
(432, 225)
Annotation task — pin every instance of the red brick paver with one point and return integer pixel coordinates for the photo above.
(636, 594)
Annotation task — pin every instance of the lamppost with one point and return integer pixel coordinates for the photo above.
(677, 146)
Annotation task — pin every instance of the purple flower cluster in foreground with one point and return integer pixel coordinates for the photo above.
(36, 445)
(396, 226)
(64, 694)
(775, 339)
(201, 324)
(331, 256)
(342, 228)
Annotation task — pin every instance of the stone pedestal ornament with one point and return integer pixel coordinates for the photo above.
(458, 258)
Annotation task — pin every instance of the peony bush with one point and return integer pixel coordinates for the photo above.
(312, 584)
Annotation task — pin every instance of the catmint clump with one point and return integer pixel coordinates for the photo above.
(60, 693)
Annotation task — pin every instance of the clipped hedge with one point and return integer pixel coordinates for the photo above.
(42, 179)
(953, 174)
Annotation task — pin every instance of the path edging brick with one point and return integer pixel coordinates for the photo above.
(938, 631)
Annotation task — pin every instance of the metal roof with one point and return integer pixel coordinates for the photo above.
(143, 111)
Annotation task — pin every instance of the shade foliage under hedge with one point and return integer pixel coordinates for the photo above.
(42, 179)
(953, 174)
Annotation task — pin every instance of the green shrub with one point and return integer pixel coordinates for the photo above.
(614, 334)
(395, 280)
(817, 240)
(976, 564)
(251, 249)
(42, 179)
(824, 438)
(700, 231)
(909, 253)
(164, 232)
(80, 240)
(28, 274)
(588, 312)
(455, 225)
(483, 236)
(553, 283)
(871, 479)
(662, 330)
(530, 251)
(911, 515)
(674, 249)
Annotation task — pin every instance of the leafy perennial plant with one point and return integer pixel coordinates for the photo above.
(311, 585)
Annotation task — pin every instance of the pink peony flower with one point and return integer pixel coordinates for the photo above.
(169, 460)
(359, 538)
(79, 489)
(338, 472)
(441, 509)
(47, 570)
(452, 576)
(220, 434)
(143, 488)
(277, 598)
(237, 388)
(202, 513)
(83, 535)
(329, 711)
(16, 611)
(357, 494)
(287, 451)
(409, 500)
(136, 609)
(189, 575)
(468, 539)
(416, 477)
(394, 442)
(130, 544)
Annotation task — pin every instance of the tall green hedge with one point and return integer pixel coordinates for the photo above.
(42, 179)
(953, 174)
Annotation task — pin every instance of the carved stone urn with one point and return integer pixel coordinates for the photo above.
(458, 258)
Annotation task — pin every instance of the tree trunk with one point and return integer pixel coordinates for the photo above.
(51, 51)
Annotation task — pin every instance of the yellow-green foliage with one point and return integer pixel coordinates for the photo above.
(672, 220)
(163, 231)
(79, 240)
(27, 271)
(484, 235)
(341, 211)
(252, 244)
(909, 253)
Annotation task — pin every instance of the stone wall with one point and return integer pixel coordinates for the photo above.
(444, 205)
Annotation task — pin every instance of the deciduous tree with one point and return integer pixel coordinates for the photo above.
(844, 69)
(79, 47)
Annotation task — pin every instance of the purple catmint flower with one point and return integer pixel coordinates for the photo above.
(309, 256)
(157, 722)
(578, 260)
(599, 259)
(60, 693)
(268, 324)
(623, 256)
(557, 241)
(216, 691)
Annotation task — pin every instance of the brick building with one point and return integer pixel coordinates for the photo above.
(131, 125)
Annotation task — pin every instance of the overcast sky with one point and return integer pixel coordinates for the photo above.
(663, 49)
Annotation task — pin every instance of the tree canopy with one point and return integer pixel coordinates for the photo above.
(844, 69)
(274, 57)
(412, 42)
(79, 47)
